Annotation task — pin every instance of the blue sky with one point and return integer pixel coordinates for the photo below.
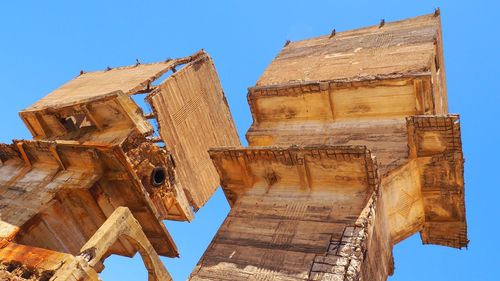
(46, 43)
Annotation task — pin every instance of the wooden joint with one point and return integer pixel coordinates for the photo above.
(246, 171)
(146, 90)
(55, 154)
(24, 155)
(419, 94)
(91, 117)
(151, 115)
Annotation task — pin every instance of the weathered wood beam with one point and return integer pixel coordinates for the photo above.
(91, 117)
(123, 224)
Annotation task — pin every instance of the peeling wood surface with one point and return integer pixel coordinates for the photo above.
(437, 143)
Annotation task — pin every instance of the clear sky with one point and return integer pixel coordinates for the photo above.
(46, 43)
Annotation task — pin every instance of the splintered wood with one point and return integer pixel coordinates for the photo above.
(351, 151)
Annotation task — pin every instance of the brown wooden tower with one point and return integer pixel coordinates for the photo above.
(351, 151)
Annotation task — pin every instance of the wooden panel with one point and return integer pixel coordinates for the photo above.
(25, 194)
(319, 168)
(91, 85)
(401, 193)
(403, 47)
(193, 116)
(373, 102)
(310, 106)
(378, 262)
(105, 120)
(433, 135)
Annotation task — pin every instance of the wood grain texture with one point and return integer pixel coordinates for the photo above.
(382, 87)
(300, 200)
(193, 116)
(95, 152)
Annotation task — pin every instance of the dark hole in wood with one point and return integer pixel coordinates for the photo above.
(158, 176)
(68, 124)
(75, 122)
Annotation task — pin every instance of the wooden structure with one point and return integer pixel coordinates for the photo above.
(351, 151)
(96, 177)
(31, 263)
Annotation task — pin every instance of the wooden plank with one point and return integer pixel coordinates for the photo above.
(193, 116)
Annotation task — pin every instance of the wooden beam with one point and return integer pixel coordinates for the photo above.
(91, 117)
(20, 147)
(55, 154)
(123, 224)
